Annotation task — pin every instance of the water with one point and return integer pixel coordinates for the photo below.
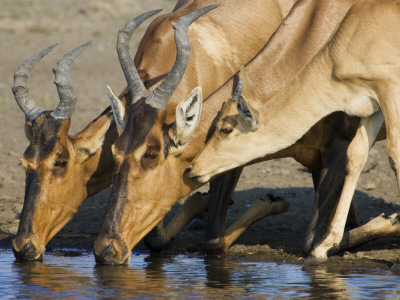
(186, 277)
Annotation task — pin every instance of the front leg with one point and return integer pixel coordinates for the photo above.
(324, 202)
(221, 191)
(328, 188)
(328, 181)
(357, 155)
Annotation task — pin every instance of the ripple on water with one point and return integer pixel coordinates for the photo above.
(185, 276)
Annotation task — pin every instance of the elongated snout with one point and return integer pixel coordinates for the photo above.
(111, 252)
(194, 174)
(27, 251)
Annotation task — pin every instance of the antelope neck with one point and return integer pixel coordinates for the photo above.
(311, 96)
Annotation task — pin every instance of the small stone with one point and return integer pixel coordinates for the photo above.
(346, 255)
(370, 186)
(17, 208)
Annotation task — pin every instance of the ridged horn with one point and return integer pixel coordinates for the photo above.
(20, 88)
(160, 96)
(136, 86)
(65, 90)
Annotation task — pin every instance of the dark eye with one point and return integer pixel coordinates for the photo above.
(60, 164)
(150, 155)
(226, 130)
(150, 159)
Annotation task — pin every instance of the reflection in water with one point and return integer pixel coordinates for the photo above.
(183, 276)
(368, 283)
(218, 272)
(172, 276)
(146, 278)
(45, 279)
(331, 285)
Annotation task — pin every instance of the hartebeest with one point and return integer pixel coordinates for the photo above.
(356, 72)
(146, 166)
(62, 170)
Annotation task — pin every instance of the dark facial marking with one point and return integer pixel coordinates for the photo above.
(213, 126)
(117, 201)
(168, 142)
(141, 120)
(46, 131)
(32, 190)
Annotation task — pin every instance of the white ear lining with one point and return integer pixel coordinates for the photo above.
(187, 117)
(245, 112)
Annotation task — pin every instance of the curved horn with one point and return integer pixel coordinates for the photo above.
(160, 96)
(63, 82)
(136, 86)
(20, 88)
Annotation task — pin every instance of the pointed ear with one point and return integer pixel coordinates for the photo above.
(28, 129)
(118, 110)
(247, 89)
(187, 117)
(90, 140)
(248, 112)
(245, 94)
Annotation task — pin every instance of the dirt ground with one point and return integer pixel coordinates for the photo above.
(27, 26)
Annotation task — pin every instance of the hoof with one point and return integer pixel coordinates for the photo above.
(214, 247)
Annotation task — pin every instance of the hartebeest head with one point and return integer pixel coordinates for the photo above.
(146, 149)
(238, 120)
(58, 166)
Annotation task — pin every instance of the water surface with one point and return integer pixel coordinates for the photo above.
(186, 277)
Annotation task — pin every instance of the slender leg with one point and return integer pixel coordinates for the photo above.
(326, 197)
(310, 233)
(331, 188)
(328, 182)
(381, 226)
(192, 207)
(352, 218)
(221, 191)
(260, 208)
(159, 238)
(357, 155)
(392, 119)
